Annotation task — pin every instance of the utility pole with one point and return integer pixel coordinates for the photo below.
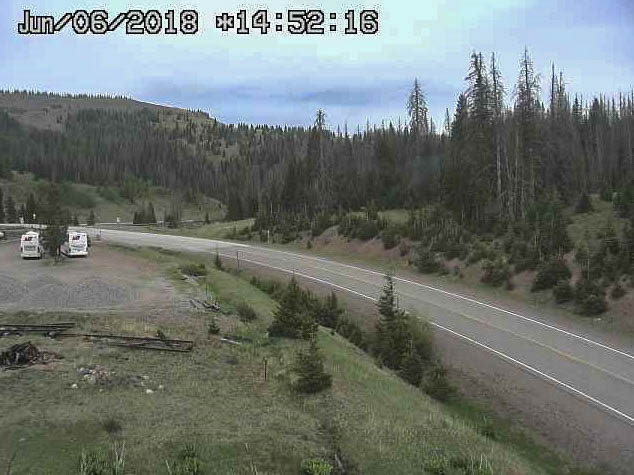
(238, 259)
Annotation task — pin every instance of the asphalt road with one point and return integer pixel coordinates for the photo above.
(586, 381)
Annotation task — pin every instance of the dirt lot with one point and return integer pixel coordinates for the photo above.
(107, 279)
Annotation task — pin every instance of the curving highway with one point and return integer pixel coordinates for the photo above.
(579, 384)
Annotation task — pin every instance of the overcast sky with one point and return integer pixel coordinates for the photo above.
(284, 79)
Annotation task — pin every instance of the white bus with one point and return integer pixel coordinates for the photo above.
(31, 246)
(76, 244)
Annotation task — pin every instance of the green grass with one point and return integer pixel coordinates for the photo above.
(217, 399)
(396, 216)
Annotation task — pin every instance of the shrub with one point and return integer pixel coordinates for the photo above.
(367, 230)
(437, 385)
(584, 205)
(495, 272)
(309, 367)
(213, 328)
(589, 298)
(403, 248)
(426, 261)
(112, 425)
(563, 291)
(389, 238)
(617, 291)
(320, 224)
(412, 368)
(549, 274)
(246, 312)
(351, 332)
(328, 313)
(193, 269)
(316, 467)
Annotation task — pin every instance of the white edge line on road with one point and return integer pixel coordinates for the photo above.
(468, 299)
(429, 287)
(628, 418)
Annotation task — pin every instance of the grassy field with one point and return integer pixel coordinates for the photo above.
(217, 398)
(107, 203)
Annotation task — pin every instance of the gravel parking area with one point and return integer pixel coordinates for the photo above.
(107, 279)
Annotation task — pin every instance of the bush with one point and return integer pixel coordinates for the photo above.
(584, 205)
(193, 269)
(426, 261)
(351, 332)
(389, 238)
(437, 385)
(316, 467)
(589, 298)
(213, 328)
(403, 249)
(320, 224)
(495, 273)
(246, 312)
(617, 291)
(549, 274)
(368, 230)
(328, 313)
(563, 291)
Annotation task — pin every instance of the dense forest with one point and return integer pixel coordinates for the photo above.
(504, 150)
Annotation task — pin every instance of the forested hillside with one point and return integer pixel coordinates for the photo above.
(505, 150)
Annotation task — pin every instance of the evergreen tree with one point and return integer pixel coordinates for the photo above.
(417, 110)
(392, 332)
(56, 221)
(11, 213)
(309, 366)
(291, 318)
(30, 212)
(150, 217)
(329, 313)
(412, 368)
(91, 218)
(207, 220)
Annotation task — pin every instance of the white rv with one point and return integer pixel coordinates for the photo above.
(31, 246)
(76, 244)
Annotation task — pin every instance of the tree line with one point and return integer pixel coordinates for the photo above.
(499, 155)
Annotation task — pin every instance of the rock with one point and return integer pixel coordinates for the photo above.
(149, 391)
(74, 386)
(161, 387)
(146, 378)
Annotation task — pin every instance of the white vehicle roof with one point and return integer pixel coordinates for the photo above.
(30, 234)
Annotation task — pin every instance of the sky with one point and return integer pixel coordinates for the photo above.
(283, 79)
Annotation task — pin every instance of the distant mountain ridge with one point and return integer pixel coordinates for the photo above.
(48, 111)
